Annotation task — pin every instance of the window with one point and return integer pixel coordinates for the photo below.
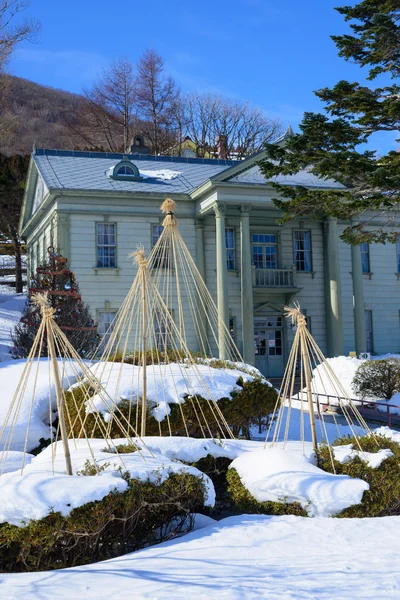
(232, 327)
(125, 170)
(264, 249)
(106, 246)
(230, 248)
(302, 250)
(369, 345)
(162, 331)
(275, 342)
(364, 247)
(398, 254)
(268, 342)
(105, 325)
(161, 259)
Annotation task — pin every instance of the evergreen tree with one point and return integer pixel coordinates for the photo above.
(13, 171)
(72, 314)
(329, 144)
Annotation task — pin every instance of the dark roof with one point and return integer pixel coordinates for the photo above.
(64, 169)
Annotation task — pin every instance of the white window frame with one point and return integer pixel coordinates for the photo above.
(112, 261)
(364, 250)
(264, 245)
(304, 252)
(398, 254)
(162, 337)
(230, 250)
(369, 332)
(108, 324)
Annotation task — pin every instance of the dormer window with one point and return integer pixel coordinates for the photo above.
(126, 170)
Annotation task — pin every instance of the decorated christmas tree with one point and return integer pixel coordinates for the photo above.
(72, 315)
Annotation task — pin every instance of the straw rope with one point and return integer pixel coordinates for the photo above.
(306, 353)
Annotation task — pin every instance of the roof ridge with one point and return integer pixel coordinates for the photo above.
(135, 157)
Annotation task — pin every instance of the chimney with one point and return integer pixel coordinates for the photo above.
(222, 146)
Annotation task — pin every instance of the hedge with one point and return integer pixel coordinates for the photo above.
(248, 407)
(246, 503)
(383, 497)
(146, 513)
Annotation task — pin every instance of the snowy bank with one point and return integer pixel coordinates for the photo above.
(285, 475)
(36, 492)
(190, 449)
(31, 419)
(166, 384)
(11, 307)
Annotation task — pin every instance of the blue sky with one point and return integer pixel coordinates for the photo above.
(273, 53)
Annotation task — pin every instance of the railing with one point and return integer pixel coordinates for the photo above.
(380, 412)
(278, 278)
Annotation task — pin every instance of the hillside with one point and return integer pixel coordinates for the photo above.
(37, 115)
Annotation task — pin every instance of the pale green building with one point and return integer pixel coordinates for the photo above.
(97, 207)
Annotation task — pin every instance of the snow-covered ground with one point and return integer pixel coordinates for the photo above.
(11, 307)
(246, 557)
(29, 419)
(8, 262)
(345, 368)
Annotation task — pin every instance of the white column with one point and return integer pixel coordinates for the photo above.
(222, 278)
(358, 298)
(246, 286)
(201, 322)
(200, 261)
(333, 296)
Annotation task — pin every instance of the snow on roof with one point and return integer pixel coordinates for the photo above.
(304, 178)
(89, 171)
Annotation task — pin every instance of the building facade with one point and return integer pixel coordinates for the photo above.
(97, 207)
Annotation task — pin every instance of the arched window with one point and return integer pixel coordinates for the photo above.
(126, 170)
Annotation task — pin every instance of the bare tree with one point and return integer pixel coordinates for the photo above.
(105, 119)
(14, 30)
(156, 98)
(206, 116)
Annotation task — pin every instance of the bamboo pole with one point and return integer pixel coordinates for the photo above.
(144, 351)
(306, 367)
(59, 394)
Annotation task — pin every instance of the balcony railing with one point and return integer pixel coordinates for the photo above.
(276, 278)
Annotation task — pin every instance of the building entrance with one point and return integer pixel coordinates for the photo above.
(268, 345)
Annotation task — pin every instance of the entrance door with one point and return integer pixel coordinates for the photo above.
(268, 346)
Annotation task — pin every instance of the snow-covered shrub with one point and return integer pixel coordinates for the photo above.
(145, 513)
(383, 496)
(377, 379)
(249, 406)
(245, 502)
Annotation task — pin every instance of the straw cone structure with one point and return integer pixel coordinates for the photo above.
(69, 367)
(167, 305)
(304, 357)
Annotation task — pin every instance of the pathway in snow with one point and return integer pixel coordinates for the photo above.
(11, 306)
(240, 558)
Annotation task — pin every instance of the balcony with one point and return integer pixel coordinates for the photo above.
(275, 279)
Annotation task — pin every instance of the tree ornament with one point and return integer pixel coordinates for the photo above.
(67, 286)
